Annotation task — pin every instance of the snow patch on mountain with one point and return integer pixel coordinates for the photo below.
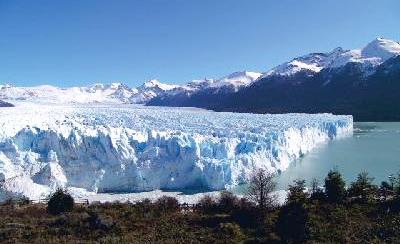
(100, 148)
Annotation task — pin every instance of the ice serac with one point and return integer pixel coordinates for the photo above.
(133, 148)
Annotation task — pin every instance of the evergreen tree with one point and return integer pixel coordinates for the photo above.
(297, 191)
(60, 201)
(363, 188)
(335, 186)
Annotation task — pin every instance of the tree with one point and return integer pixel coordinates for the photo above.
(297, 191)
(385, 189)
(227, 201)
(363, 188)
(206, 205)
(396, 187)
(316, 192)
(60, 201)
(314, 185)
(261, 186)
(335, 186)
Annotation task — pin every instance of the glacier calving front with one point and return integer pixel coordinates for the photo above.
(101, 148)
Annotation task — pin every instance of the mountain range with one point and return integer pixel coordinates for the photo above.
(122, 93)
(363, 82)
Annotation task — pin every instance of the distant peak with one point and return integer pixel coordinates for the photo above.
(116, 85)
(337, 50)
(243, 74)
(157, 84)
(4, 86)
(152, 83)
(381, 48)
(112, 86)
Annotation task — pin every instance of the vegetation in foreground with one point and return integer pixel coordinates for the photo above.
(360, 213)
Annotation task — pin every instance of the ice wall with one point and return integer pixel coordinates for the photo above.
(133, 148)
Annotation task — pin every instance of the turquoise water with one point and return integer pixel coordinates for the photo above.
(374, 147)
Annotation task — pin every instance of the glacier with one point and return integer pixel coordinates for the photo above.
(103, 148)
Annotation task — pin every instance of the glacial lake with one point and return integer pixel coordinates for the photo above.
(374, 147)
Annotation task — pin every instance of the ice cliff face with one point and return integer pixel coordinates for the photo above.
(103, 148)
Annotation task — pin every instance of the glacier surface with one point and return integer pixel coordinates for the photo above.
(130, 148)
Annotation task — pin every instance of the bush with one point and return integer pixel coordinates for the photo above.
(246, 213)
(59, 202)
(167, 204)
(363, 188)
(385, 189)
(227, 202)
(291, 223)
(232, 231)
(206, 205)
(24, 200)
(97, 222)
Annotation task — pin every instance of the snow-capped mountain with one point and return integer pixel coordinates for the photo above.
(232, 82)
(150, 90)
(121, 93)
(227, 84)
(382, 49)
(313, 62)
(363, 82)
(236, 80)
(375, 53)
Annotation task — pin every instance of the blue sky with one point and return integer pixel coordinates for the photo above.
(73, 43)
